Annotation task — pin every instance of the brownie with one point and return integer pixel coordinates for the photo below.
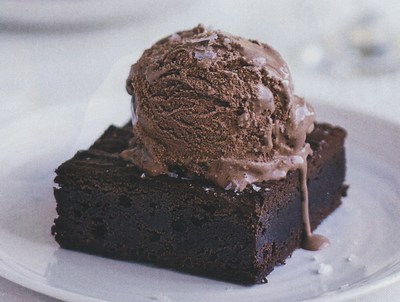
(108, 207)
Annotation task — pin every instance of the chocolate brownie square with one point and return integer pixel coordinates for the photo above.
(108, 207)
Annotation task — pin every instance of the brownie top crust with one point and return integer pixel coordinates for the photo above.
(105, 152)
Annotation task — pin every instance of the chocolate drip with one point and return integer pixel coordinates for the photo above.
(312, 242)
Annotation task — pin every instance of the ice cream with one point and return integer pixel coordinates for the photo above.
(217, 106)
(220, 107)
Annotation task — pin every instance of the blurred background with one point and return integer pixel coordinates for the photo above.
(345, 52)
(341, 52)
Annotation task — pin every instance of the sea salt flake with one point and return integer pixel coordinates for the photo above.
(172, 174)
(207, 54)
(351, 258)
(297, 160)
(279, 174)
(228, 187)
(259, 61)
(175, 37)
(324, 269)
(255, 188)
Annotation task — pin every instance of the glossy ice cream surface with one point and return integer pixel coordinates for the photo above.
(217, 106)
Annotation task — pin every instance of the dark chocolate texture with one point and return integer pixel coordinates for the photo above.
(107, 207)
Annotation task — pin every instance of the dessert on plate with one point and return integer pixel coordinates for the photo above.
(222, 171)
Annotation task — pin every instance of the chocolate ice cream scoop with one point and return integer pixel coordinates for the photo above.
(218, 106)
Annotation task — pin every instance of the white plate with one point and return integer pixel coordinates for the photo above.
(364, 255)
